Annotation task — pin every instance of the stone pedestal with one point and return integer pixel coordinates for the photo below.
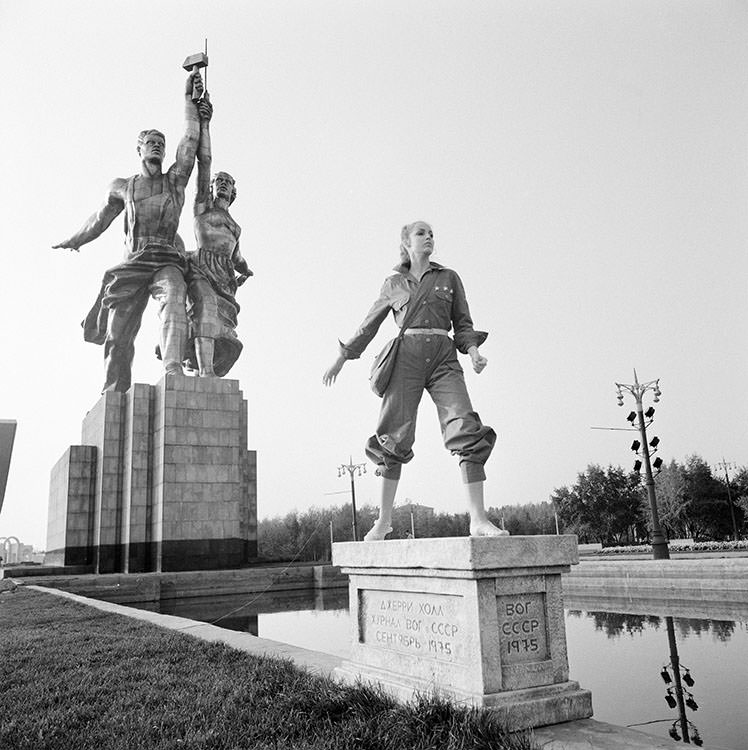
(479, 620)
(162, 481)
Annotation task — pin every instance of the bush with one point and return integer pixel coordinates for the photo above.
(692, 547)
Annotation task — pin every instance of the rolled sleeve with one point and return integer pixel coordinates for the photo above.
(464, 333)
(354, 347)
(464, 340)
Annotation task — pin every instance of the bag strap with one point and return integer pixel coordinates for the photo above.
(414, 304)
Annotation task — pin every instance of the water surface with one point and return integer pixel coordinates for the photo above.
(616, 647)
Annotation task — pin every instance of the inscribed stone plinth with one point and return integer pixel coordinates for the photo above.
(173, 484)
(478, 619)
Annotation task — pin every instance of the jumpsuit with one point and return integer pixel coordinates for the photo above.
(153, 267)
(425, 362)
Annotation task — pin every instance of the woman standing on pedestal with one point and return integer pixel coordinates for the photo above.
(426, 359)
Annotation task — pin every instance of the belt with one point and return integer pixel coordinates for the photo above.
(426, 332)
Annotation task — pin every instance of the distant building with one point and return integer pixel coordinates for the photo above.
(418, 510)
(13, 551)
(421, 515)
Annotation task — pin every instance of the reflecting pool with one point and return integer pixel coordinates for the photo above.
(619, 657)
(617, 649)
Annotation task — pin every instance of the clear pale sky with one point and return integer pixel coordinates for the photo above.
(583, 164)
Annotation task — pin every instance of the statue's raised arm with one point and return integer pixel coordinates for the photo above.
(203, 194)
(187, 148)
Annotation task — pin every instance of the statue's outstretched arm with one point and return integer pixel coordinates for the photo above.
(187, 148)
(98, 222)
(203, 200)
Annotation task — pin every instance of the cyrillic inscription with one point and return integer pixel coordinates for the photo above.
(522, 628)
(428, 625)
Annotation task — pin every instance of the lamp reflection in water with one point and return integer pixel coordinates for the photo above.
(675, 694)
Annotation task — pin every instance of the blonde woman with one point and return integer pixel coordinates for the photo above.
(426, 360)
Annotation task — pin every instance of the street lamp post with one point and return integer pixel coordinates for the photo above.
(725, 466)
(352, 469)
(660, 549)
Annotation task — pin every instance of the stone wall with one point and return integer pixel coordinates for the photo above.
(71, 506)
(705, 578)
(155, 587)
(171, 482)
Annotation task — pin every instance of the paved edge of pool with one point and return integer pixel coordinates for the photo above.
(586, 734)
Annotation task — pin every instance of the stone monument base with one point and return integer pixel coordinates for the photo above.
(162, 480)
(478, 620)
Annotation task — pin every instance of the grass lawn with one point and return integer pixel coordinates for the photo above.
(73, 677)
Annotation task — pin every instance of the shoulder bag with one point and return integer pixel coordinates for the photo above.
(384, 362)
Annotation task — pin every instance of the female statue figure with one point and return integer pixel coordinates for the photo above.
(211, 278)
(426, 359)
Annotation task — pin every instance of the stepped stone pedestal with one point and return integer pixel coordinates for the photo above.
(162, 481)
(477, 619)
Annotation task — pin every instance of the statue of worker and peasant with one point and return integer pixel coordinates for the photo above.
(197, 307)
(195, 291)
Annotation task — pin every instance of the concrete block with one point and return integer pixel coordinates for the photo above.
(478, 619)
(171, 464)
(111, 465)
(110, 482)
(78, 503)
(191, 400)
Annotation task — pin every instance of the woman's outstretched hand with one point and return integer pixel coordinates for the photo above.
(332, 372)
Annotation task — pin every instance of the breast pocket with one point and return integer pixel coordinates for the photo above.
(444, 294)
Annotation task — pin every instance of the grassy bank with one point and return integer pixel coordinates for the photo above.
(75, 678)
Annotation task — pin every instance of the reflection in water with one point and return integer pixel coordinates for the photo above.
(617, 649)
(623, 657)
(241, 612)
(719, 606)
(675, 696)
(616, 624)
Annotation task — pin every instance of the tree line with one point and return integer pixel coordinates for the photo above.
(305, 535)
(610, 505)
(605, 505)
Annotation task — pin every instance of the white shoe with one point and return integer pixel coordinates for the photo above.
(378, 532)
(486, 528)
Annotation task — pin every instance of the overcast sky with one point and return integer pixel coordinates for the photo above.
(583, 164)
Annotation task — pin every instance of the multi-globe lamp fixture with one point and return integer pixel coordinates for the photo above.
(640, 420)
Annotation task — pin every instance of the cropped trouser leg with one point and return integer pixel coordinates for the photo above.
(463, 432)
(429, 363)
(392, 444)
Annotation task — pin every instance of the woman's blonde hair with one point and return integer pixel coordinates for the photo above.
(404, 234)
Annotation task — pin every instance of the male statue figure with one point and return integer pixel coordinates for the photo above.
(212, 283)
(155, 261)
